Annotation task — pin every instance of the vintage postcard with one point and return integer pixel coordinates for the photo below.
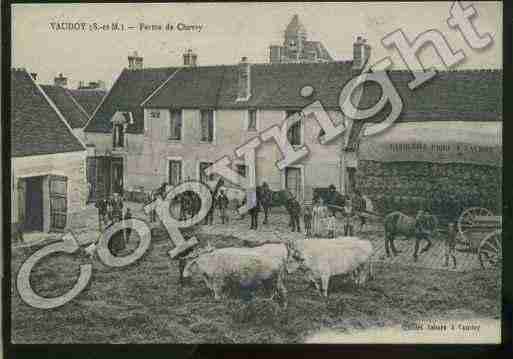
(256, 173)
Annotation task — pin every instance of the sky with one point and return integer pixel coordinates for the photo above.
(229, 31)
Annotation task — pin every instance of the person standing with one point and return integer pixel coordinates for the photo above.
(255, 209)
(102, 212)
(420, 231)
(307, 219)
(320, 213)
(330, 224)
(348, 218)
(267, 196)
(222, 202)
(450, 245)
(117, 207)
(127, 231)
(334, 198)
(360, 206)
(294, 212)
(209, 219)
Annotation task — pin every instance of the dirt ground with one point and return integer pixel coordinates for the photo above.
(143, 303)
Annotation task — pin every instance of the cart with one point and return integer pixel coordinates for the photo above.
(481, 233)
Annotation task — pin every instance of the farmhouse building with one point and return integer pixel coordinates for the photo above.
(169, 124)
(48, 182)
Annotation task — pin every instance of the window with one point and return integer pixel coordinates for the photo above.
(118, 135)
(207, 125)
(175, 132)
(155, 114)
(202, 167)
(175, 172)
(294, 131)
(252, 120)
(241, 170)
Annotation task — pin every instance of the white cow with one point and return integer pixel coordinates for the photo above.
(324, 258)
(251, 266)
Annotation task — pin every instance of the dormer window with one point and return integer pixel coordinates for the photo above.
(120, 120)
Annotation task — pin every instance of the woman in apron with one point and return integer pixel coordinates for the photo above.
(320, 213)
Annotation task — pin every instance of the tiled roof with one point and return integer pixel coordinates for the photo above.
(272, 86)
(451, 95)
(69, 108)
(468, 95)
(36, 128)
(88, 99)
(130, 89)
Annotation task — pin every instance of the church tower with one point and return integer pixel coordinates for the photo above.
(296, 47)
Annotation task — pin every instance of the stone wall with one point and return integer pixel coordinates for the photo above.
(443, 189)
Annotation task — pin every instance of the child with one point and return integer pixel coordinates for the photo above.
(450, 244)
(222, 202)
(349, 213)
(307, 217)
(330, 222)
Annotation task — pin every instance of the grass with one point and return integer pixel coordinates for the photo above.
(143, 303)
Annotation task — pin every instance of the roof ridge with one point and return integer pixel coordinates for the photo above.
(68, 92)
(57, 111)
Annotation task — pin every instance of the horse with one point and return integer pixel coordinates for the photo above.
(398, 223)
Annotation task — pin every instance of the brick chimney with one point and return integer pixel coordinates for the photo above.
(275, 54)
(361, 53)
(135, 62)
(60, 81)
(244, 80)
(34, 75)
(189, 58)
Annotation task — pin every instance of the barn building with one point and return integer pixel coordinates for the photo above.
(48, 182)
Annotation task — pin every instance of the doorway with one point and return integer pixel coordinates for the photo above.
(117, 175)
(33, 206)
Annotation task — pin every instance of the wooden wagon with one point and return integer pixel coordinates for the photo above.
(481, 233)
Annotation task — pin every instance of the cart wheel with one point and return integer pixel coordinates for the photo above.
(467, 221)
(490, 250)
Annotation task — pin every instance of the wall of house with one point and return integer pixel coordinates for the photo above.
(147, 155)
(70, 165)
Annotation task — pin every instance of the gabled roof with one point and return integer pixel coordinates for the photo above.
(67, 105)
(88, 99)
(130, 89)
(37, 128)
(450, 95)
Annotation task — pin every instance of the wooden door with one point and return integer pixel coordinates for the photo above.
(58, 202)
(117, 176)
(103, 177)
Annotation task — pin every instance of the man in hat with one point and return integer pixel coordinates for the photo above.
(334, 198)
